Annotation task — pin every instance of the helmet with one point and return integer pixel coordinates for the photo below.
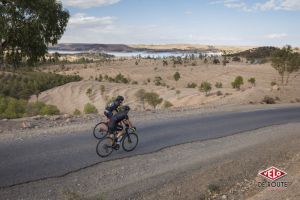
(120, 98)
(126, 108)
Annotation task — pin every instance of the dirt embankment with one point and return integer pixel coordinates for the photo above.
(224, 168)
(153, 76)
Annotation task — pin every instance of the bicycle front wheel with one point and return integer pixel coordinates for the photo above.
(105, 147)
(100, 130)
(130, 142)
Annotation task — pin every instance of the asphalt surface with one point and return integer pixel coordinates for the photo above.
(54, 156)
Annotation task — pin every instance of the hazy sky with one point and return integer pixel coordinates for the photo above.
(229, 22)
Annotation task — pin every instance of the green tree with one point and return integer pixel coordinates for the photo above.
(205, 87)
(285, 62)
(153, 99)
(28, 28)
(176, 77)
(238, 82)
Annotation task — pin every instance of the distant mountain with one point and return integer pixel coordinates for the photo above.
(257, 53)
(94, 47)
(124, 48)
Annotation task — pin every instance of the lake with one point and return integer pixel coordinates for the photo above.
(145, 54)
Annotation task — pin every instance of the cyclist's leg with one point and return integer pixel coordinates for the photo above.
(120, 131)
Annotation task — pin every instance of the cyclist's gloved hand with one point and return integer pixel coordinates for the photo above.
(134, 128)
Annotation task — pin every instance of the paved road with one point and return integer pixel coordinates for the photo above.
(53, 156)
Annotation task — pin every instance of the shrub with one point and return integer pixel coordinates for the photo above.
(165, 63)
(225, 62)
(273, 83)
(213, 188)
(219, 93)
(89, 91)
(76, 112)
(100, 78)
(191, 85)
(34, 108)
(102, 88)
(236, 59)
(157, 80)
(216, 61)
(176, 76)
(49, 110)
(205, 87)
(90, 108)
(153, 99)
(252, 81)
(140, 95)
(268, 100)
(121, 79)
(178, 91)
(134, 83)
(167, 104)
(11, 108)
(238, 82)
(218, 85)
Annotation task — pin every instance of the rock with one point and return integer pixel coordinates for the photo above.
(224, 197)
(68, 120)
(26, 125)
(66, 116)
(54, 118)
(5, 120)
(38, 117)
(275, 87)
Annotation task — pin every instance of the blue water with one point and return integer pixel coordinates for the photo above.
(145, 54)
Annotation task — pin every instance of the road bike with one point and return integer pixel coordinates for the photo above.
(100, 130)
(107, 145)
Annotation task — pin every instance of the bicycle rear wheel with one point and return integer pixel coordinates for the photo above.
(130, 142)
(105, 147)
(100, 130)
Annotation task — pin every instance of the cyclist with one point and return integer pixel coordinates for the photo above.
(113, 107)
(114, 125)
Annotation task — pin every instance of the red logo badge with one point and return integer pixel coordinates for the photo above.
(272, 173)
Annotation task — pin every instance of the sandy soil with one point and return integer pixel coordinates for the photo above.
(224, 168)
(74, 95)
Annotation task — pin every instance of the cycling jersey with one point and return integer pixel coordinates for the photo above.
(111, 108)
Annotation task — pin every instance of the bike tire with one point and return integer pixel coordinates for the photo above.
(104, 147)
(98, 134)
(130, 138)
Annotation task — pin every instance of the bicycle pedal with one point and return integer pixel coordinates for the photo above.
(116, 146)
